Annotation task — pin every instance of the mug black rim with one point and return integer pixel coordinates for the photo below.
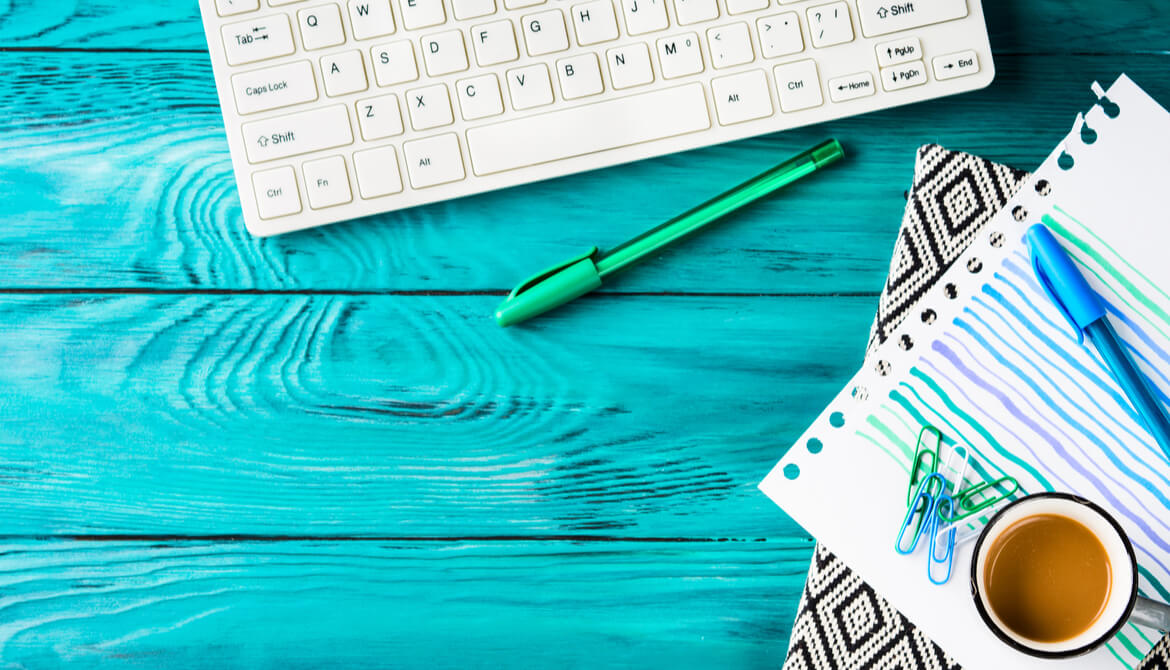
(1086, 648)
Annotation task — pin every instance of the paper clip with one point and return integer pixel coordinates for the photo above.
(944, 505)
(924, 504)
(920, 456)
(966, 504)
(970, 533)
(950, 468)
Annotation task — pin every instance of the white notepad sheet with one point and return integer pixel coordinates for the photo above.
(988, 360)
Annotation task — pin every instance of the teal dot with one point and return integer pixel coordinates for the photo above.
(814, 446)
(792, 471)
(837, 419)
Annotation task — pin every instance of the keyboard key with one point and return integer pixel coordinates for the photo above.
(742, 97)
(276, 193)
(280, 86)
(473, 9)
(851, 86)
(444, 53)
(955, 65)
(479, 97)
(327, 182)
(495, 43)
(730, 45)
(370, 18)
(379, 117)
(344, 73)
(899, 51)
(433, 161)
(233, 7)
(520, 4)
(695, 11)
(256, 40)
(644, 16)
(594, 22)
(295, 134)
(394, 63)
(679, 56)
(830, 24)
(321, 27)
(377, 172)
(530, 87)
(629, 66)
(798, 86)
(430, 107)
(879, 17)
(544, 33)
(422, 13)
(580, 76)
(903, 76)
(588, 129)
(744, 6)
(780, 35)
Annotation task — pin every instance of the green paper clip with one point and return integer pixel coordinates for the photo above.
(917, 473)
(967, 506)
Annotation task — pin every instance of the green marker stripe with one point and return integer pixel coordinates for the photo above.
(1157, 587)
(978, 427)
(977, 464)
(1128, 285)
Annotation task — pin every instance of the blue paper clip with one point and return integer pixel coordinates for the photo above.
(925, 503)
(944, 506)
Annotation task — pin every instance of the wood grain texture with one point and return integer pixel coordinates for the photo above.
(418, 416)
(397, 604)
(125, 182)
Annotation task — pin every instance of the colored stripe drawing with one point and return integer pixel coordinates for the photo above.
(1008, 378)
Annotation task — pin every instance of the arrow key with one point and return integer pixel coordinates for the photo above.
(903, 76)
(955, 65)
(851, 86)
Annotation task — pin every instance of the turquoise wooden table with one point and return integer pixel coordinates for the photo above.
(218, 451)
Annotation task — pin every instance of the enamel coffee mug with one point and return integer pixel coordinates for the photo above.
(1112, 563)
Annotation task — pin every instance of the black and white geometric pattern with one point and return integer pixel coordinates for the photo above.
(842, 622)
(953, 196)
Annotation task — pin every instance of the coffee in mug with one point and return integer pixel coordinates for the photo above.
(1054, 575)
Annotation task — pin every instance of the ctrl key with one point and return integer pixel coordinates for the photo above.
(276, 193)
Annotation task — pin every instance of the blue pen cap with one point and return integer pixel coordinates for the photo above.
(1062, 281)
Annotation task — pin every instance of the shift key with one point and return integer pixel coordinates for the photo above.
(880, 17)
(296, 134)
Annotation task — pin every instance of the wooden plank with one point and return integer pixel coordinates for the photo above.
(398, 604)
(125, 182)
(1038, 26)
(415, 416)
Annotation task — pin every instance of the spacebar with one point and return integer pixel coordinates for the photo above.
(588, 129)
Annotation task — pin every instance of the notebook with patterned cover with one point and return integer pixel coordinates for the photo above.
(842, 622)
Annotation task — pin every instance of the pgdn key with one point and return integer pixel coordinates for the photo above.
(903, 76)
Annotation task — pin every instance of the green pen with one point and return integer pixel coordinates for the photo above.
(583, 273)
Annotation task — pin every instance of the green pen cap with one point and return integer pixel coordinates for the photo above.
(549, 289)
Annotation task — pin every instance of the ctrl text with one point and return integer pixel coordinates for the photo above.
(275, 192)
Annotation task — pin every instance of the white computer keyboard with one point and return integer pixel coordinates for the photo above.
(336, 110)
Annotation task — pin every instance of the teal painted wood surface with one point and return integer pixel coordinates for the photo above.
(317, 449)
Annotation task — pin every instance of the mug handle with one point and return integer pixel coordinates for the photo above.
(1151, 613)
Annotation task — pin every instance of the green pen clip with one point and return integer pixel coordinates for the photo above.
(581, 274)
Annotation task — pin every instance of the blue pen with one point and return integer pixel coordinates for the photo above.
(1067, 287)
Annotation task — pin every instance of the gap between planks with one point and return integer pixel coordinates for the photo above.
(429, 293)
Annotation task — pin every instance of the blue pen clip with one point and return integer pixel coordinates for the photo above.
(1062, 281)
